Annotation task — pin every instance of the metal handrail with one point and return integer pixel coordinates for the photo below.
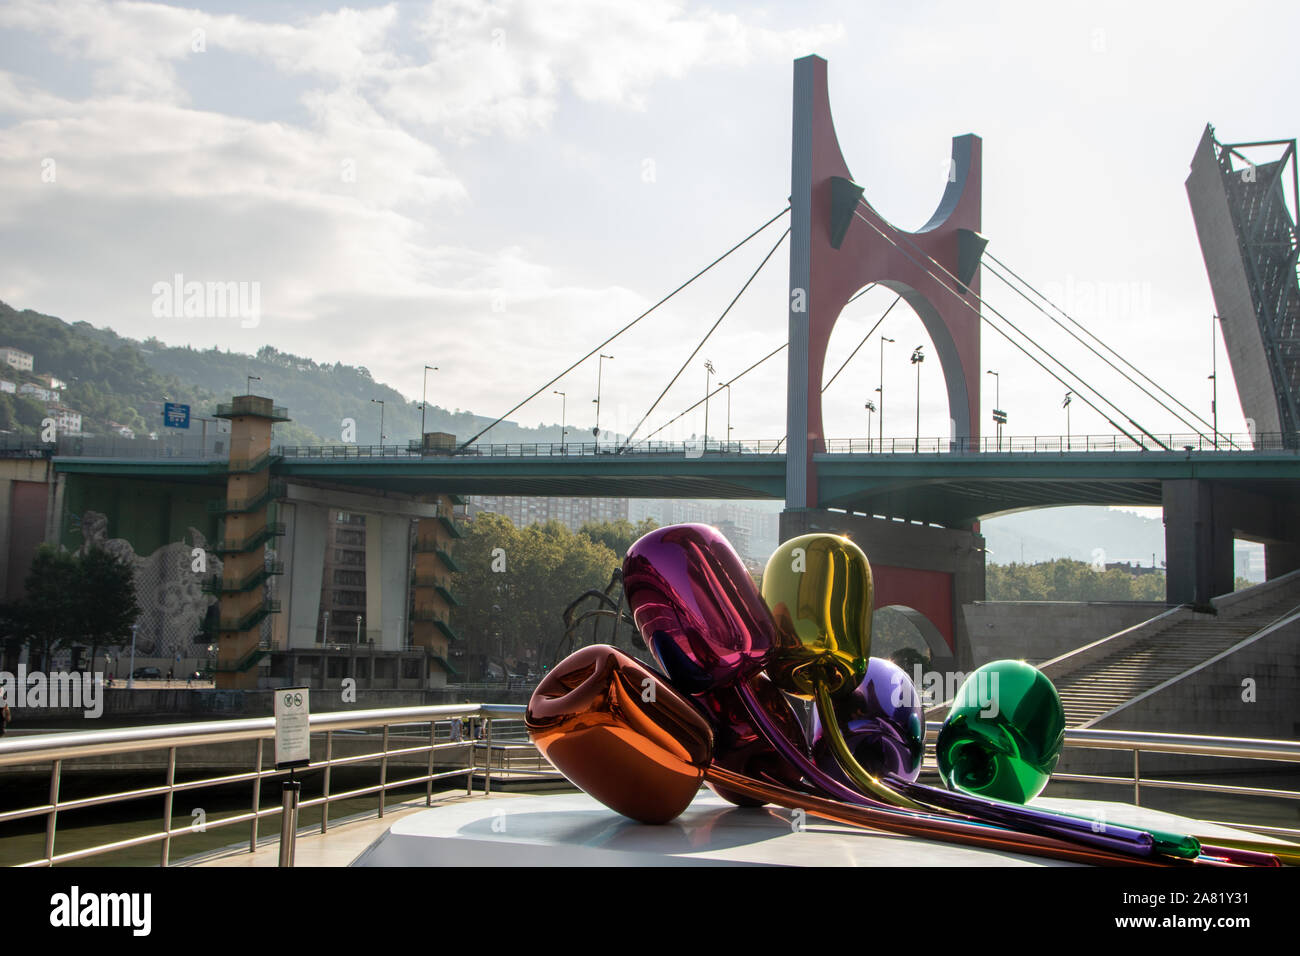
(1138, 742)
(404, 723)
(57, 748)
(1173, 443)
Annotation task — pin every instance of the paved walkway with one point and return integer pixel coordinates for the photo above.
(341, 845)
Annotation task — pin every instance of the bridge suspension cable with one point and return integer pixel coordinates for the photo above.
(736, 298)
(625, 328)
(870, 332)
(960, 298)
(773, 353)
(1092, 335)
(735, 378)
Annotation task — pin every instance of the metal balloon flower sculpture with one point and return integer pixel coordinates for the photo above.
(642, 742)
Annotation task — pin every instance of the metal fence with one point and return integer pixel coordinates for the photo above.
(1140, 742)
(216, 447)
(494, 743)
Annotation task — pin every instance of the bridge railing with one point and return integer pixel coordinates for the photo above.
(341, 452)
(1063, 444)
(217, 447)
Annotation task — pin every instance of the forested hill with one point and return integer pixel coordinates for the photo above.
(111, 377)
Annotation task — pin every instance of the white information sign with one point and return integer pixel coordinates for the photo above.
(292, 734)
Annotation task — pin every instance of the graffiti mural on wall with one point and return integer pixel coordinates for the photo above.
(167, 588)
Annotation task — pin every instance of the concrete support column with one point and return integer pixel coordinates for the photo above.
(395, 568)
(1198, 543)
(303, 551)
(932, 571)
(1280, 557)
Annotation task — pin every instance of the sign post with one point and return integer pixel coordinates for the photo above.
(292, 749)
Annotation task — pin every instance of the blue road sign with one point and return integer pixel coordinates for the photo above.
(175, 415)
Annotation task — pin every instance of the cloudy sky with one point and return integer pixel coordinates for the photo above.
(494, 187)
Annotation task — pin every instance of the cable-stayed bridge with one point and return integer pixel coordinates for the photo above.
(914, 504)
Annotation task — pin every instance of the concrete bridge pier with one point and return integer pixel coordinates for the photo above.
(1202, 519)
(929, 573)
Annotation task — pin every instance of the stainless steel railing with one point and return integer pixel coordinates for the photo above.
(475, 741)
(494, 743)
(1139, 742)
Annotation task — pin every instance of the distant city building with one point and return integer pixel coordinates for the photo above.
(573, 513)
(36, 392)
(343, 588)
(739, 536)
(50, 381)
(9, 387)
(1135, 568)
(17, 358)
(753, 530)
(67, 420)
(122, 430)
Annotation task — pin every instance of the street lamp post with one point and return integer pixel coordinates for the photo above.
(1214, 377)
(358, 629)
(380, 403)
(727, 386)
(325, 629)
(881, 390)
(871, 407)
(708, 374)
(600, 369)
(564, 430)
(130, 675)
(1069, 397)
(251, 380)
(424, 400)
(997, 404)
(917, 358)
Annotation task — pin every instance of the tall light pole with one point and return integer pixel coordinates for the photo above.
(130, 675)
(380, 403)
(708, 374)
(600, 369)
(997, 404)
(881, 390)
(727, 386)
(917, 358)
(1069, 396)
(251, 380)
(1214, 376)
(871, 407)
(564, 431)
(424, 399)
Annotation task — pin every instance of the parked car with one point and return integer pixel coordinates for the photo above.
(147, 673)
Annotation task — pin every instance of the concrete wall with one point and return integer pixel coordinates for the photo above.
(1213, 701)
(395, 568)
(1038, 631)
(303, 549)
(147, 513)
(905, 545)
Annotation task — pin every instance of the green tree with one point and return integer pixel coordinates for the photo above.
(47, 616)
(515, 583)
(106, 605)
(1067, 580)
(617, 535)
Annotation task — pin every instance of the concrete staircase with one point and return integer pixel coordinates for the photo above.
(1095, 680)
